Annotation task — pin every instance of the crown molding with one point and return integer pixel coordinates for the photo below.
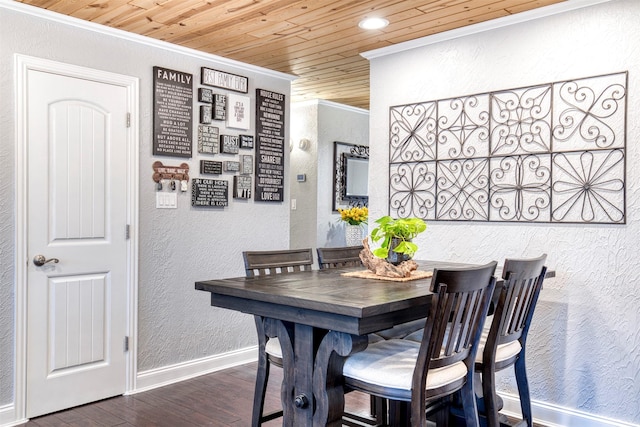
(331, 104)
(481, 27)
(114, 32)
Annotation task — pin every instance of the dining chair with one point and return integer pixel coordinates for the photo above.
(345, 256)
(503, 343)
(262, 263)
(413, 373)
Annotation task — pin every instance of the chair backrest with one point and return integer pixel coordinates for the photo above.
(262, 263)
(456, 317)
(523, 280)
(346, 256)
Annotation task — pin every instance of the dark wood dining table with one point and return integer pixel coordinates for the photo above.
(320, 317)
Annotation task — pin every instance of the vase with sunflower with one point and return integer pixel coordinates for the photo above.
(354, 218)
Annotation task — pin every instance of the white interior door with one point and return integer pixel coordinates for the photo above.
(76, 219)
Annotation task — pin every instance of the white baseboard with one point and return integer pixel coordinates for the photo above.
(166, 375)
(557, 416)
(8, 416)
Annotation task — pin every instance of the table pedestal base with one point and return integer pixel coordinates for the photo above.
(312, 391)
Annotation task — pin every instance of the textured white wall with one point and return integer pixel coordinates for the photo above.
(584, 347)
(335, 123)
(313, 223)
(304, 125)
(177, 247)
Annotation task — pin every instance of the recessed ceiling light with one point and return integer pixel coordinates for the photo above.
(373, 23)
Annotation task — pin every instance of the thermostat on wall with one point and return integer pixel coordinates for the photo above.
(302, 177)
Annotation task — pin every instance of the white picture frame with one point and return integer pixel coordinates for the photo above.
(238, 111)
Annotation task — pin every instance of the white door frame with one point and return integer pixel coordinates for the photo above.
(22, 65)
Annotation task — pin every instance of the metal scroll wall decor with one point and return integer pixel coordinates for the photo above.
(341, 152)
(549, 153)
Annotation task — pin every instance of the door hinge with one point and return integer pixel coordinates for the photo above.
(126, 344)
(128, 120)
(127, 233)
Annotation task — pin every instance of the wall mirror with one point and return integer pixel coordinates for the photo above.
(351, 175)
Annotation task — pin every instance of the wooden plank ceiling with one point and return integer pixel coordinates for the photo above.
(317, 40)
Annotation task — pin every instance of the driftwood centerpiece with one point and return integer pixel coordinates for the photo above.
(382, 267)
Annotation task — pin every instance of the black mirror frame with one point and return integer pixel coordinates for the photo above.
(340, 151)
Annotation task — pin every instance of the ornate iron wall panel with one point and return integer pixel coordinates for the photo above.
(463, 127)
(546, 153)
(413, 189)
(462, 189)
(413, 133)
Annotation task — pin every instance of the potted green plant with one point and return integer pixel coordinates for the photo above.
(397, 235)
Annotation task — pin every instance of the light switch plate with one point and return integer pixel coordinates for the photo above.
(166, 200)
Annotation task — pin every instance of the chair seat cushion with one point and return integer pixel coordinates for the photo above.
(415, 336)
(503, 352)
(374, 338)
(403, 329)
(272, 348)
(391, 364)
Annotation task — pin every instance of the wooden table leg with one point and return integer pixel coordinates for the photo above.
(327, 376)
(303, 381)
(312, 393)
(276, 328)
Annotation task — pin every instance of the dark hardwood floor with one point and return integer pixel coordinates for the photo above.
(222, 398)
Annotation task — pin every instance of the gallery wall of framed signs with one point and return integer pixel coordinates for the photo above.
(232, 161)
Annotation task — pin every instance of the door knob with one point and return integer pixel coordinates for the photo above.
(40, 260)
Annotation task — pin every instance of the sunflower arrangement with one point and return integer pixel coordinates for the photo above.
(355, 215)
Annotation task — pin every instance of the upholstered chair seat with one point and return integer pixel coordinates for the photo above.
(272, 347)
(403, 330)
(503, 351)
(390, 363)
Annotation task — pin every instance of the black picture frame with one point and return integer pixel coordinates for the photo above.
(342, 151)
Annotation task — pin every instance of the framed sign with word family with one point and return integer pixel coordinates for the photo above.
(172, 112)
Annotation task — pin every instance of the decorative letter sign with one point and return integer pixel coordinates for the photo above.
(172, 112)
(211, 167)
(229, 144)
(241, 187)
(270, 125)
(208, 139)
(224, 80)
(209, 192)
